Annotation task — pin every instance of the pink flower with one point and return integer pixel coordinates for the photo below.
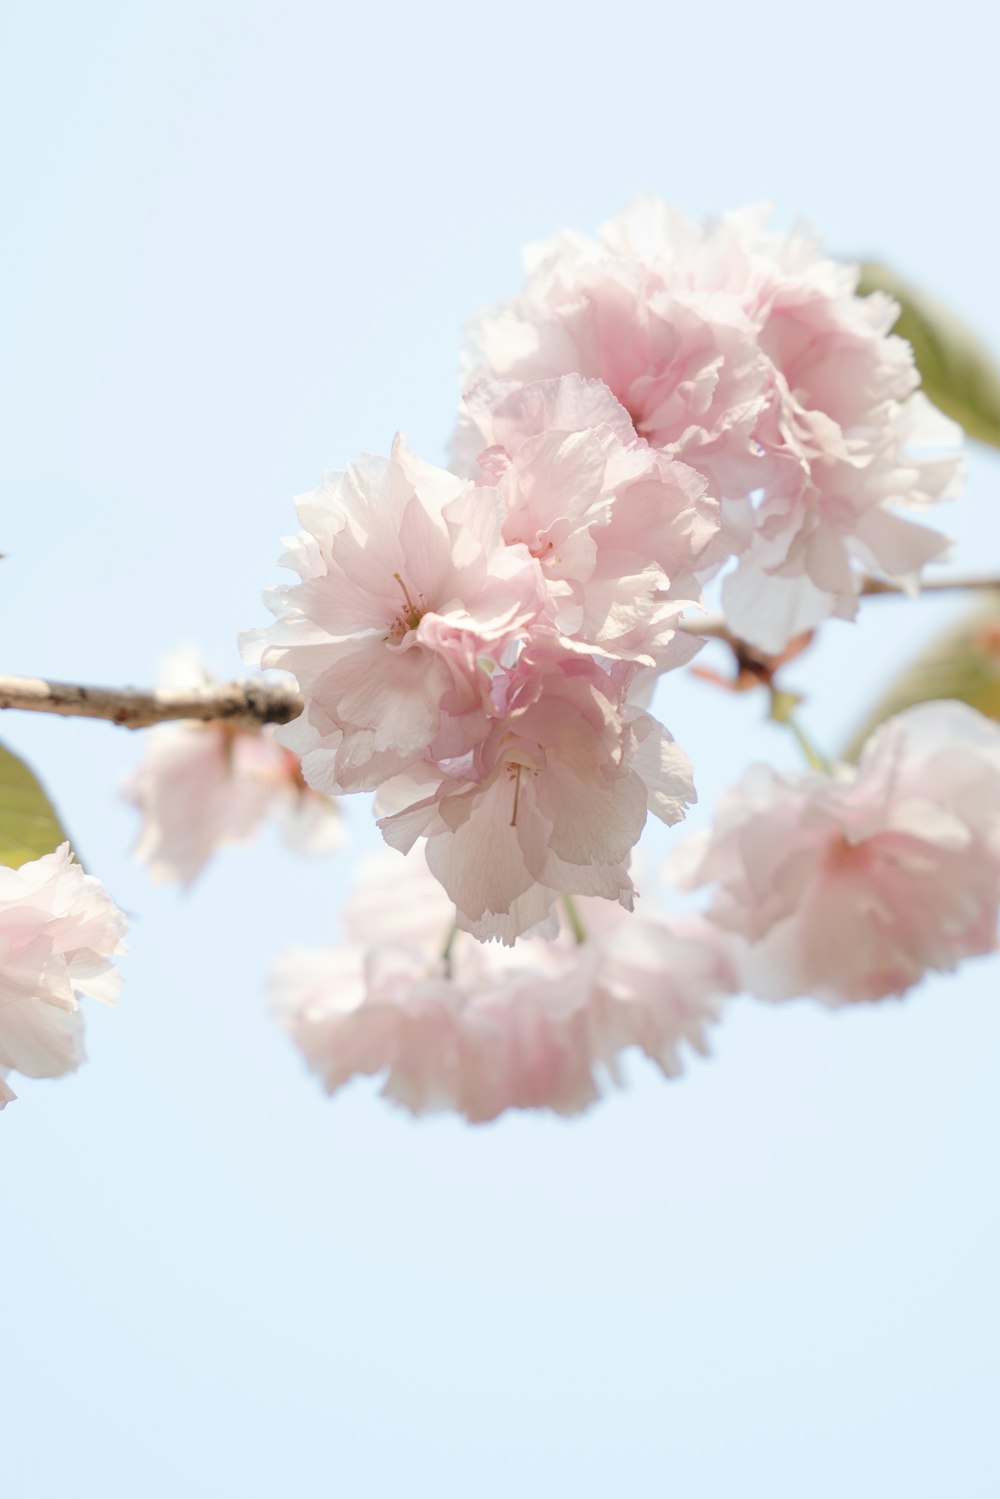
(620, 531)
(201, 786)
(681, 356)
(407, 590)
(552, 800)
(470, 649)
(852, 887)
(836, 520)
(395, 902)
(659, 984)
(58, 933)
(749, 355)
(482, 1030)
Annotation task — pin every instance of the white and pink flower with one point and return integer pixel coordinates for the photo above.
(621, 532)
(471, 649)
(749, 355)
(59, 931)
(201, 786)
(453, 1025)
(852, 887)
(407, 593)
(680, 353)
(552, 801)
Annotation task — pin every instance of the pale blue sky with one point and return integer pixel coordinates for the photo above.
(239, 244)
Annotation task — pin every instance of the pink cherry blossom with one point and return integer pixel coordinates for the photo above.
(203, 785)
(58, 933)
(493, 707)
(407, 590)
(748, 354)
(853, 887)
(838, 519)
(620, 531)
(454, 1025)
(660, 983)
(682, 357)
(552, 800)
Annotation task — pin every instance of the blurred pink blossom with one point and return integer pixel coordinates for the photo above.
(454, 1025)
(200, 786)
(852, 887)
(59, 931)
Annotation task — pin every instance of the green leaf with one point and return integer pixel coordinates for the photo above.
(963, 663)
(29, 826)
(959, 374)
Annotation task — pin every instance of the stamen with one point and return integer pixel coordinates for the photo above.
(413, 614)
(517, 795)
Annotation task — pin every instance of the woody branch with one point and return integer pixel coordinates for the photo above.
(253, 703)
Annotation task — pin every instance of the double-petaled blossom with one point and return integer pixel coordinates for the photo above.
(620, 531)
(749, 355)
(472, 648)
(838, 517)
(408, 597)
(552, 800)
(59, 931)
(202, 785)
(851, 887)
(677, 349)
(453, 1025)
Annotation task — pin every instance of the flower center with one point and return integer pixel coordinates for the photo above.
(516, 769)
(843, 856)
(408, 617)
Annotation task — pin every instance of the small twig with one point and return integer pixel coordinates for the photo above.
(783, 705)
(253, 703)
(249, 703)
(953, 582)
(714, 627)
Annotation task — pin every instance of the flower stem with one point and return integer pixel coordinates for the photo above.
(782, 711)
(576, 925)
(816, 758)
(448, 948)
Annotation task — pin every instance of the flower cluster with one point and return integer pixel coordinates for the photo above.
(853, 886)
(476, 649)
(657, 407)
(478, 1030)
(749, 355)
(58, 933)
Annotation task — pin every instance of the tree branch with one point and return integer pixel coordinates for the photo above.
(714, 626)
(254, 703)
(249, 704)
(951, 583)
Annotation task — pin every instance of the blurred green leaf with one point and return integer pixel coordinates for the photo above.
(29, 826)
(959, 373)
(963, 663)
